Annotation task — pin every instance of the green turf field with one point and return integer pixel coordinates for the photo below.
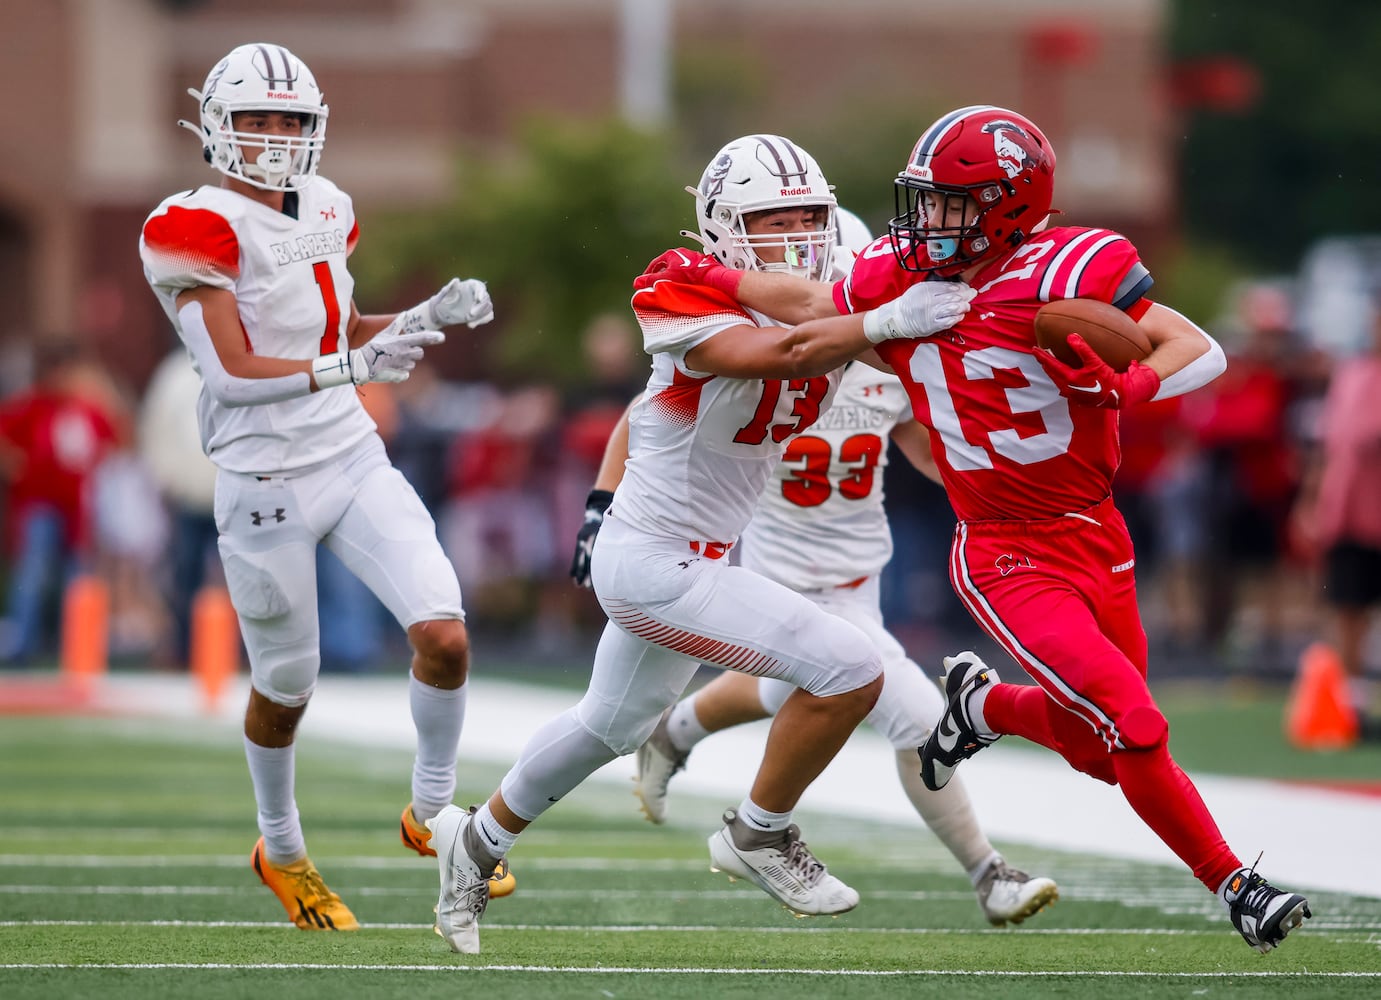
(124, 874)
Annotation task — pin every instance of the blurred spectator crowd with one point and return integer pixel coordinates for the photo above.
(95, 480)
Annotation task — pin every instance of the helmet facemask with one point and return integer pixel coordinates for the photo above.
(279, 163)
(808, 253)
(953, 243)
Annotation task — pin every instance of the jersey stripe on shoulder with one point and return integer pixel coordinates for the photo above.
(1060, 278)
(692, 301)
(675, 317)
(1133, 287)
(1096, 263)
(191, 245)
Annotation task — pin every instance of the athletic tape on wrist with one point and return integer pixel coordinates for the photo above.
(331, 370)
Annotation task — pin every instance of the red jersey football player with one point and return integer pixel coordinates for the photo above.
(1027, 447)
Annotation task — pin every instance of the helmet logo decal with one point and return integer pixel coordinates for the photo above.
(714, 177)
(791, 174)
(215, 78)
(1013, 146)
(264, 63)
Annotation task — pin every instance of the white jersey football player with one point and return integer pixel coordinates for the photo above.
(726, 395)
(821, 529)
(253, 276)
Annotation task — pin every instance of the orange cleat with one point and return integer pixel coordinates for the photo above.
(299, 887)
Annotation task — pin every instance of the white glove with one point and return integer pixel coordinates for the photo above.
(389, 357)
(922, 310)
(458, 301)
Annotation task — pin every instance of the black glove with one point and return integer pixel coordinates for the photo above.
(595, 505)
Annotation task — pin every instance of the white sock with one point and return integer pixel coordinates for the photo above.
(975, 707)
(1223, 887)
(683, 725)
(758, 818)
(271, 773)
(949, 814)
(976, 872)
(496, 839)
(438, 715)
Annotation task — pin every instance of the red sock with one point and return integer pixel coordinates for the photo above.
(1019, 710)
(1153, 784)
(1167, 801)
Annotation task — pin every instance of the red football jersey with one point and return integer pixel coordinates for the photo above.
(1008, 444)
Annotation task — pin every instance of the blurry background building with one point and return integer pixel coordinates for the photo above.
(97, 85)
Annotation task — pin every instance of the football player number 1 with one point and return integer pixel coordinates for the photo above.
(330, 336)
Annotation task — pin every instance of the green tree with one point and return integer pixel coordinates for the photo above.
(558, 227)
(1299, 163)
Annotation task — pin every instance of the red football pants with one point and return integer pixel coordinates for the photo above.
(1060, 597)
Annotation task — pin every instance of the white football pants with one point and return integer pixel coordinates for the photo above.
(670, 610)
(362, 509)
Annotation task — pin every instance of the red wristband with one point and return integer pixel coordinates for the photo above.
(1140, 383)
(725, 279)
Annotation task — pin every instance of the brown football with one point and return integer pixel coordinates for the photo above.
(1113, 335)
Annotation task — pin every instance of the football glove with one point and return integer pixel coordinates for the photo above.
(926, 308)
(1094, 383)
(690, 267)
(595, 505)
(458, 301)
(389, 357)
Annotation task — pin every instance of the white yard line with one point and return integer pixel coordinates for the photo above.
(608, 970)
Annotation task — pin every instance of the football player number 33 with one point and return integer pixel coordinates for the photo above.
(810, 486)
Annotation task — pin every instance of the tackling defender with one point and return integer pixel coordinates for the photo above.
(729, 388)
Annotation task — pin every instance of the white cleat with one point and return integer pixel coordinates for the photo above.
(786, 870)
(1008, 895)
(464, 886)
(656, 761)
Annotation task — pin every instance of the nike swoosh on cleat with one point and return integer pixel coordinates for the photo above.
(946, 737)
(1096, 387)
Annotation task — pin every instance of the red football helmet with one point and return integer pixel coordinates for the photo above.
(993, 156)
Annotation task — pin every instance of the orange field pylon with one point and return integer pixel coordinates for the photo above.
(1318, 715)
(84, 653)
(215, 643)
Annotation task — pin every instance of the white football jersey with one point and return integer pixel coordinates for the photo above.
(702, 447)
(293, 290)
(821, 521)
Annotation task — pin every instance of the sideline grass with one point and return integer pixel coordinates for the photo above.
(124, 874)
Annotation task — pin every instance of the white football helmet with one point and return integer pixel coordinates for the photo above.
(261, 76)
(758, 173)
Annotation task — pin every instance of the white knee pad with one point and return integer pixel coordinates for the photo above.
(287, 676)
(625, 726)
